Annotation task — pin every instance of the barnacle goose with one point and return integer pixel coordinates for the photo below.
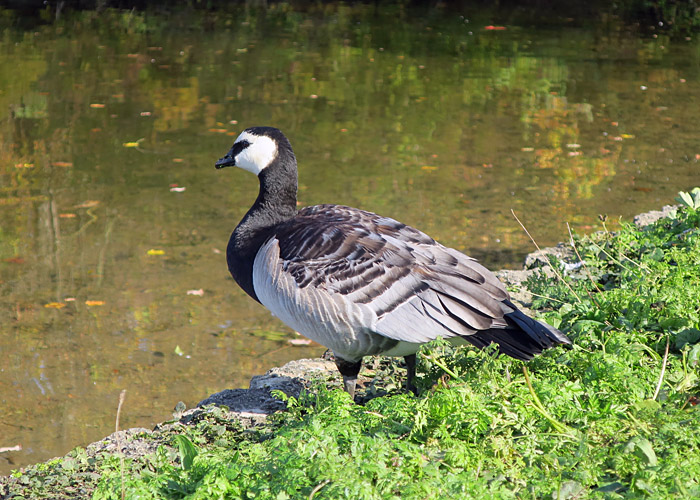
(359, 283)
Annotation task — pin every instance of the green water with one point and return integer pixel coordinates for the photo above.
(424, 116)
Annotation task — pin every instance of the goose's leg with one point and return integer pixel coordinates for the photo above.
(411, 373)
(349, 370)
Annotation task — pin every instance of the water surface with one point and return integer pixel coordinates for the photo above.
(114, 222)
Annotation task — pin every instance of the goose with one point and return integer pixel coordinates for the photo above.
(359, 283)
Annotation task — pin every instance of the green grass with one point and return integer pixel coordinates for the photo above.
(597, 421)
(613, 417)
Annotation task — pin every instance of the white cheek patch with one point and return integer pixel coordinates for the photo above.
(258, 155)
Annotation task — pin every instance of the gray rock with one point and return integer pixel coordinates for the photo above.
(540, 258)
(126, 442)
(290, 378)
(255, 401)
(294, 376)
(647, 218)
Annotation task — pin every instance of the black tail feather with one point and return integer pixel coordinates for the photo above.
(523, 339)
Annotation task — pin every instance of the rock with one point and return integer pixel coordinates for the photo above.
(514, 283)
(126, 442)
(290, 378)
(294, 376)
(647, 218)
(245, 401)
(540, 258)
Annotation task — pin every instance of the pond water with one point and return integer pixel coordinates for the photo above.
(114, 222)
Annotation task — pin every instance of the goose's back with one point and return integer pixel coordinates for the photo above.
(364, 284)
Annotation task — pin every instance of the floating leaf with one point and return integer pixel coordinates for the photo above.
(218, 130)
(428, 168)
(62, 164)
(88, 204)
(270, 334)
(299, 342)
(131, 144)
(94, 303)
(627, 136)
(198, 293)
(67, 216)
(177, 189)
(55, 305)
(179, 351)
(154, 251)
(97, 105)
(494, 28)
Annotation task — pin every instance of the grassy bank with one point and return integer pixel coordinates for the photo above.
(614, 417)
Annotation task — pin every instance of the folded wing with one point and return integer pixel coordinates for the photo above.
(358, 271)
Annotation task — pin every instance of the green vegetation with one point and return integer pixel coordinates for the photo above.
(614, 417)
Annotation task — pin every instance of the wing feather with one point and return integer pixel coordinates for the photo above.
(367, 275)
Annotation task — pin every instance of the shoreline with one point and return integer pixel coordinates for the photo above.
(250, 407)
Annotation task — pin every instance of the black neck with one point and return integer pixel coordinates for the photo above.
(276, 203)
